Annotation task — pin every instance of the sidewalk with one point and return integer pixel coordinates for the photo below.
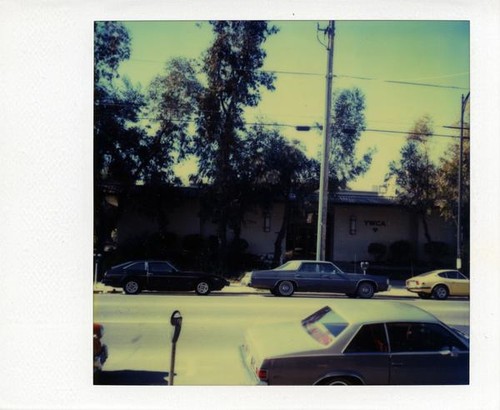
(397, 290)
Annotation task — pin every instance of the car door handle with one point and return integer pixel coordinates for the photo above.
(298, 275)
(397, 364)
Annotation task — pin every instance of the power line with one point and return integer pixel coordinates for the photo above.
(319, 127)
(412, 133)
(399, 82)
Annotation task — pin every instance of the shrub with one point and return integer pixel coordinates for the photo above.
(377, 250)
(437, 251)
(401, 251)
(193, 243)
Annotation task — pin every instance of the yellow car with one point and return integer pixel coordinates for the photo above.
(439, 284)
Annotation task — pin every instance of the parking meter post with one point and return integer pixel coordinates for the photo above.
(172, 366)
(97, 256)
(176, 322)
(364, 265)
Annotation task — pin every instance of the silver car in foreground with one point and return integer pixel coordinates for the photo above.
(363, 342)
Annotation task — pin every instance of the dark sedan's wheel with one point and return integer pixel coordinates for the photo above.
(440, 292)
(424, 295)
(132, 287)
(202, 288)
(365, 290)
(285, 288)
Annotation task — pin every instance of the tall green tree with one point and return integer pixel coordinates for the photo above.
(116, 107)
(173, 101)
(447, 175)
(447, 184)
(118, 136)
(232, 68)
(348, 123)
(281, 171)
(415, 173)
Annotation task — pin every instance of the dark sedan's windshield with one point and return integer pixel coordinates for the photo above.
(324, 325)
(291, 265)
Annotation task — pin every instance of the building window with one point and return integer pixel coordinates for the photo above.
(352, 225)
(267, 222)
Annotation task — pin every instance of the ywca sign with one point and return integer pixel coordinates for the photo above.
(375, 224)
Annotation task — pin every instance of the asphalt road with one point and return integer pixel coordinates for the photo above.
(138, 332)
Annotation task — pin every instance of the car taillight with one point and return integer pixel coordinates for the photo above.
(98, 330)
(262, 374)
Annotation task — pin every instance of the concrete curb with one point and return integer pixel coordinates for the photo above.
(396, 290)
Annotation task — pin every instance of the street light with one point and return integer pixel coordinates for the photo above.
(459, 210)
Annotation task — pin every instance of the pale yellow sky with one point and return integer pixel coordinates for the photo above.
(406, 69)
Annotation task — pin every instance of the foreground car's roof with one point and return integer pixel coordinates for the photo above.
(377, 311)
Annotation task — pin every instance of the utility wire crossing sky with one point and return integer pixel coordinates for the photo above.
(406, 69)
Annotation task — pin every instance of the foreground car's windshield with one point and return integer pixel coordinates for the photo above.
(324, 325)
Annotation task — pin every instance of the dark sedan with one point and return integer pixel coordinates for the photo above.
(135, 276)
(379, 342)
(316, 276)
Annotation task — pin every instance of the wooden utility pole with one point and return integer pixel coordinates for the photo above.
(325, 158)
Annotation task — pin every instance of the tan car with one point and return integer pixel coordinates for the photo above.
(439, 284)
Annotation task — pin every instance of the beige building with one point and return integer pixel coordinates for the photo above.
(362, 218)
(355, 220)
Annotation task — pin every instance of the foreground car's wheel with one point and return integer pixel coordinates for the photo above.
(132, 287)
(285, 288)
(440, 292)
(424, 295)
(339, 381)
(365, 290)
(202, 288)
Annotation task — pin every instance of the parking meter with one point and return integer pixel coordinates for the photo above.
(176, 322)
(364, 265)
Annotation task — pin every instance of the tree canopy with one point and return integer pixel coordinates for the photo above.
(348, 123)
(196, 108)
(415, 173)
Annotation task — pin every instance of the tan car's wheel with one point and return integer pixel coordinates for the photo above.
(440, 292)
